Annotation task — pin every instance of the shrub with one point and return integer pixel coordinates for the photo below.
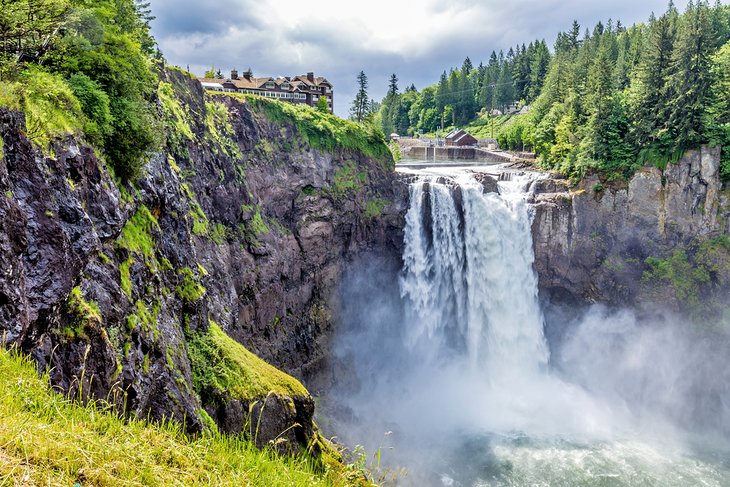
(95, 105)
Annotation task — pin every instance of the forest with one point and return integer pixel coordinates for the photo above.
(610, 99)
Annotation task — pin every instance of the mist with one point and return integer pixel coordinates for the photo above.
(440, 369)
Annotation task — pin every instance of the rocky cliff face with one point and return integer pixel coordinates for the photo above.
(592, 242)
(238, 223)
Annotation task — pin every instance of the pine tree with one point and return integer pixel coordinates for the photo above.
(393, 85)
(599, 103)
(651, 83)
(538, 69)
(361, 104)
(690, 79)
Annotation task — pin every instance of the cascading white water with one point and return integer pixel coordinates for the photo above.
(459, 374)
(468, 278)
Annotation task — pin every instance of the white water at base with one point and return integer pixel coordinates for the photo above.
(463, 382)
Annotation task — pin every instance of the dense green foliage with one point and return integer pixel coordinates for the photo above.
(610, 101)
(99, 51)
(455, 100)
(322, 130)
(46, 439)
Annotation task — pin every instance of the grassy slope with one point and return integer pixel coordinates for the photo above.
(47, 440)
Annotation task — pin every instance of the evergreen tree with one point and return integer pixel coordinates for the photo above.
(538, 69)
(361, 105)
(690, 79)
(651, 84)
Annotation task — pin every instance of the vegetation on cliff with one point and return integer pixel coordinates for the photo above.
(83, 68)
(322, 130)
(611, 100)
(47, 439)
(698, 278)
(224, 368)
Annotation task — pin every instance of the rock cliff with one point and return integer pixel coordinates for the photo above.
(630, 245)
(241, 227)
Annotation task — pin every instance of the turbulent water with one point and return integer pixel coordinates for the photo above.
(456, 382)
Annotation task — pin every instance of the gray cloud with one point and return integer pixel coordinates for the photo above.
(245, 33)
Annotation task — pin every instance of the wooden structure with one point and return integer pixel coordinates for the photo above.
(460, 138)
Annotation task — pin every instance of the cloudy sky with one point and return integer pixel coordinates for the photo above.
(338, 38)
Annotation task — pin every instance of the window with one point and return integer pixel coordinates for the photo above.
(270, 85)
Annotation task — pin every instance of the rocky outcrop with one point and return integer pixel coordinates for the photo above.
(592, 241)
(238, 221)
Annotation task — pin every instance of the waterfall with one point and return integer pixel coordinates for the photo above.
(468, 278)
(453, 377)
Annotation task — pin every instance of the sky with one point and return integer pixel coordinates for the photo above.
(339, 38)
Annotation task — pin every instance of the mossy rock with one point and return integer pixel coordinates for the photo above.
(244, 394)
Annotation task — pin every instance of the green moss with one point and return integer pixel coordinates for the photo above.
(137, 236)
(146, 363)
(220, 130)
(8, 194)
(309, 190)
(82, 315)
(695, 274)
(223, 367)
(200, 220)
(218, 233)
(176, 118)
(347, 180)
(147, 318)
(165, 264)
(257, 226)
(207, 421)
(374, 207)
(125, 279)
(189, 290)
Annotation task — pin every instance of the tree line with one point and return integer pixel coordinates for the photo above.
(609, 99)
(506, 79)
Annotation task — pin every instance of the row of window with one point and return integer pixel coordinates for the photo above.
(268, 94)
(275, 94)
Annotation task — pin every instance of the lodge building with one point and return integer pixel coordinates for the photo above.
(304, 89)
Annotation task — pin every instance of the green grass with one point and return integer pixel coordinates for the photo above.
(223, 367)
(46, 439)
(50, 107)
(481, 128)
(321, 130)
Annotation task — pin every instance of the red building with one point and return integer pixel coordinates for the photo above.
(460, 138)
